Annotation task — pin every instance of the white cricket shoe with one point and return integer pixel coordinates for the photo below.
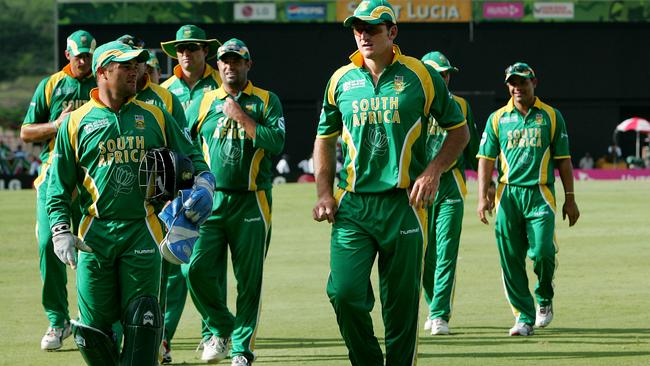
(439, 326)
(427, 324)
(215, 349)
(240, 360)
(544, 315)
(522, 329)
(53, 338)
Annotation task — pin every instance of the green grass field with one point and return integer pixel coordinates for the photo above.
(602, 291)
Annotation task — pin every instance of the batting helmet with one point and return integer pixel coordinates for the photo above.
(163, 173)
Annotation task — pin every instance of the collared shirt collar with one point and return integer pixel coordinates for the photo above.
(357, 57)
(68, 70)
(248, 90)
(511, 104)
(94, 96)
(178, 72)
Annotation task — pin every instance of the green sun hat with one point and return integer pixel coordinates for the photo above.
(116, 51)
(153, 60)
(438, 61)
(235, 46)
(190, 33)
(80, 42)
(520, 69)
(372, 12)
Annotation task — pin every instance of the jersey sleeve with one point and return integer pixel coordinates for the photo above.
(469, 154)
(181, 142)
(62, 177)
(331, 121)
(489, 145)
(270, 134)
(38, 111)
(560, 142)
(444, 108)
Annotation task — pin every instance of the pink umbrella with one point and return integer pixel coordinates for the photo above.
(638, 124)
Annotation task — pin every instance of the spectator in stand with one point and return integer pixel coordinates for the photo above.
(614, 153)
(20, 163)
(34, 165)
(5, 152)
(587, 162)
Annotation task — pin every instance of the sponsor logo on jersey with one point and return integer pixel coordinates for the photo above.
(281, 123)
(178, 91)
(524, 137)
(65, 90)
(508, 119)
(409, 231)
(539, 119)
(144, 251)
(150, 101)
(252, 219)
(375, 110)
(218, 108)
(122, 150)
(540, 213)
(139, 121)
(96, 125)
(249, 107)
(398, 84)
(354, 84)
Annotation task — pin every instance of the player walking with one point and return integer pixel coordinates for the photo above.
(446, 214)
(55, 97)
(98, 152)
(191, 79)
(239, 127)
(530, 139)
(379, 104)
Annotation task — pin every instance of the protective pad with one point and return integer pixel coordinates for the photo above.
(96, 348)
(142, 332)
(178, 244)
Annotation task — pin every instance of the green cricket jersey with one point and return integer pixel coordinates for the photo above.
(99, 151)
(525, 145)
(52, 96)
(163, 98)
(437, 136)
(383, 127)
(175, 84)
(237, 161)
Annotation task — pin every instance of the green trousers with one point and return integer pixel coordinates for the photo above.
(54, 294)
(525, 226)
(386, 227)
(241, 222)
(124, 265)
(445, 224)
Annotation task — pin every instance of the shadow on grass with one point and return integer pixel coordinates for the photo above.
(270, 343)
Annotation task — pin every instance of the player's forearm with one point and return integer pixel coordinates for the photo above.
(324, 165)
(565, 169)
(485, 168)
(38, 132)
(249, 124)
(451, 149)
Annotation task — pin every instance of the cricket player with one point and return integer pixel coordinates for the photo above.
(98, 151)
(530, 139)
(55, 97)
(446, 214)
(153, 68)
(192, 77)
(240, 128)
(380, 104)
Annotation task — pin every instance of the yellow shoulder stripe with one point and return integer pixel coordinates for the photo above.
(551, 115)
(73, 126)
(51, 84)
(157, 114)
(334, 81)
(263, 95)
(168, 82)
(204, 108)
(462, 103)
(164, 95)
(426, 81)
(495, 119)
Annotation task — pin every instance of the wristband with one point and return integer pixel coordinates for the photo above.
(61, 228)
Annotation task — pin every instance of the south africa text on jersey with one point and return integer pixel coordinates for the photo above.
(375, 110)
(524, 137)
(124, 149)
(229, 129)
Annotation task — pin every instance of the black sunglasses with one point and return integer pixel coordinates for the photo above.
(371, 29)
(192, 47)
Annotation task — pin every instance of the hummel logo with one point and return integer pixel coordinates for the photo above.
(409, 231)
(253, 219)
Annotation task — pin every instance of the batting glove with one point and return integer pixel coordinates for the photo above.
(65, 243)
(178, 244)
(198, 206)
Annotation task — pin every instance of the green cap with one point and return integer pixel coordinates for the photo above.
(131, 41)
(520, 69)
(438, 61)
(190, 33)
(235, 46)
(372, 12)
(153, 60)
(117, 51)
(80, 42)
